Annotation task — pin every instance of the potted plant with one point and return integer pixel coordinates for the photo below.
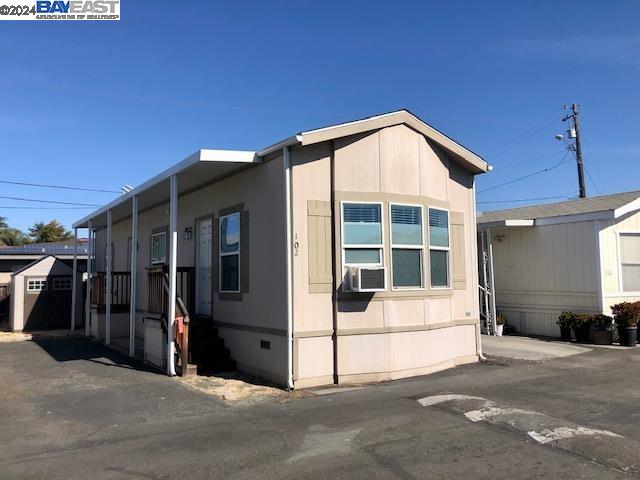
(565, 322)
(582, 327)
(602, 329)
(626, 315)
(501, 320)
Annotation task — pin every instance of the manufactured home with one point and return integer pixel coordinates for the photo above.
(341, 254)
(581, 255)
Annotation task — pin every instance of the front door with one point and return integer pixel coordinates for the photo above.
(204, 250)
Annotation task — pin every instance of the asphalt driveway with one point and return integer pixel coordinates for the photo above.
(70, 408)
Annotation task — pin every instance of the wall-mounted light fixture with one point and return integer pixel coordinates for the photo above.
(188, 233)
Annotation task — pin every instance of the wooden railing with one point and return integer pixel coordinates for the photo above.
(120, 289)
(185, 289)
(158, 303)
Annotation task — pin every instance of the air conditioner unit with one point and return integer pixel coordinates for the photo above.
(367, 279)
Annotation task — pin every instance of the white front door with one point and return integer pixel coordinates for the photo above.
(204, 250)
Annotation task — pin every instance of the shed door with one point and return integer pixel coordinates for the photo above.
(204, 250)
(47, 302)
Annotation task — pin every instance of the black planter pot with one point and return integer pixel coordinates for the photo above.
(582, 334)
(628, 336)
(565, 334)
(601, 337)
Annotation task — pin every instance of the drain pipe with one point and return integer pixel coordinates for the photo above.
(287, 196)
(481, 357)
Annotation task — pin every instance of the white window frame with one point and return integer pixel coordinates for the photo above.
(164, 259)
(226, 254)
(42, 284)
(56, 283)
(622, 292)
(380, 246)
(408, 247)
(446, 249)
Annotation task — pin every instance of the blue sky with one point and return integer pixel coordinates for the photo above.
(99, 105)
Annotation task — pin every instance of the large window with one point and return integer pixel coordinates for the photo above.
(439, 247)
(406, 246)
(630, 261)
(230, 253)
(158, 248)
(362, 233)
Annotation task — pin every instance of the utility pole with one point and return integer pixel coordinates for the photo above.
(574, 132)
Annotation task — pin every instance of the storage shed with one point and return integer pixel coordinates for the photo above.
(581, 255)
(41, 296)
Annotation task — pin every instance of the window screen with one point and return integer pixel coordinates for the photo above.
(406, 244)
(439, 247)
(229, 251)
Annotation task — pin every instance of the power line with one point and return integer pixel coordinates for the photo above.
(63, 187)
(522, 137)
(49, 201)
(591, 178)
(567, 197)
(43, 208)
(544, 170)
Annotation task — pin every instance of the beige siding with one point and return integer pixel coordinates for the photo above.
(261, 190)
(542, 270)
(395, 333)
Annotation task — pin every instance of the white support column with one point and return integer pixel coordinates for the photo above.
(109, 273)
(133, 276)
(289, 263)
(485, 283)
(87, 312)
(492, 283)
(74, 278)
(173, 254)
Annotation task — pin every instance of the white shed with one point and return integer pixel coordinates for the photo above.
(41, 296)
(581, 255)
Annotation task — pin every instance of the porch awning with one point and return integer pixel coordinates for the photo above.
(197, 170)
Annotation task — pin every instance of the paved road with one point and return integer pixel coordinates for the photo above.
(73, 409)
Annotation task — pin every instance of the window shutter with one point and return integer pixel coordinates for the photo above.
(244, 251)
(215, 275)
(458, 263)
(319, 252)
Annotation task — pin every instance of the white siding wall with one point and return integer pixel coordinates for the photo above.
(540, 271)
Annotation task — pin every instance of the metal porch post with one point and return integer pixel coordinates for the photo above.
(173, 253)
(87, 313)
(133, 276)
(107, 330)
(492, 285)
(74, 278)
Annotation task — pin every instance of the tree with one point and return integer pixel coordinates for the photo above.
(53, 231)
(11, 236)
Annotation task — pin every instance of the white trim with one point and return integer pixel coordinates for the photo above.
(173, 264)
(621, 289)
(90, 250)
(204, 155)
(228, 254)
(445, 249)
(108, 294)
(43, 285)
(36, 256)
(379, 246)
(420, 247)
(597, 225)
(74, 277)
(628, 208)
(289, 255)
(133, 274)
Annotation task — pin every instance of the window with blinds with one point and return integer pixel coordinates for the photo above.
(406, 246)
(439, 247)
(362, 233)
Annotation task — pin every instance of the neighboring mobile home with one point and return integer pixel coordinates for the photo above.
(581, 255)
(341, 254)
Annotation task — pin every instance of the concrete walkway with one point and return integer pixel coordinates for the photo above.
(525, 348)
